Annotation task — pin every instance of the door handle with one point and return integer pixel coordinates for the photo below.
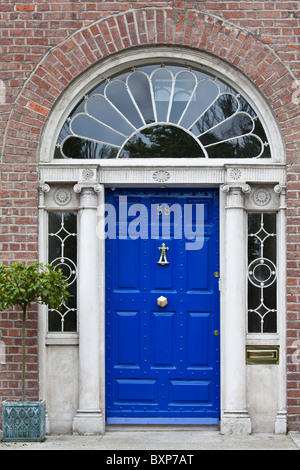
(162, 301)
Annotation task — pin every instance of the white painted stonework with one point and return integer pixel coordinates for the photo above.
(72, 365)
(248, 403)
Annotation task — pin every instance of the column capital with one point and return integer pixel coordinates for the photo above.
(42, 189)
(242, 187)
(88, 194)
(86, 186)
(280, 189)
(235, 194)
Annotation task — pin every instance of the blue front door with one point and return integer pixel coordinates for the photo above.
(162, 356)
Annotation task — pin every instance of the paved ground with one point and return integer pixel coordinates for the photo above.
(176, 441)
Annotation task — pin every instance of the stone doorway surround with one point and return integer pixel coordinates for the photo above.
(238, 187)
(238, 181)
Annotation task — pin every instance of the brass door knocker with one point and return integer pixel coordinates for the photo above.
(163, 259)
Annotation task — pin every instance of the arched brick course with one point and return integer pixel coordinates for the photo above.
(146, 26)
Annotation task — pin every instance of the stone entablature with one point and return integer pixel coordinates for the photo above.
(174, 173)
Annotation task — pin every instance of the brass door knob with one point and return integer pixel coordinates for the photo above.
(162, 301)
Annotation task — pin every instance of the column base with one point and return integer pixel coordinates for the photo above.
(89, 422)
(281, 423)
(236, 422)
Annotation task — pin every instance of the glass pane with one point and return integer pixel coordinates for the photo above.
(223, 108)
(98, 107)
(70, 321)
(243, 147)
(254, 323)
(238, 125)
(269, 223)
(254, 223)
(184, 87)
(117, 93)
(270, 323)
(260, 133)
(98, 90)
(76, 147)
(162, 142)
(139, 86)
(62, 254)
(162, 87)
(87, 127)
(54, 321)
(206, 92)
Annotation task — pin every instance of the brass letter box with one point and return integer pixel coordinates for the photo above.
(262, 354)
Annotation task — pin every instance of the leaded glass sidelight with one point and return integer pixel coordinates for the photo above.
(62, 247)
(262, 273)
(162, 112)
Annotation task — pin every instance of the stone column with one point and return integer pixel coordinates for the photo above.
(89, 418)
(281, 418)
(43, 309)
(235, 418)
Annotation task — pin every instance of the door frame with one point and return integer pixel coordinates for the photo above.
(236, 197)
(129, 191)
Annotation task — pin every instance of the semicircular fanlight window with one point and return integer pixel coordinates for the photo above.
(162, 112)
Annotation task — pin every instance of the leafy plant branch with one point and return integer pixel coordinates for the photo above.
(21, 285)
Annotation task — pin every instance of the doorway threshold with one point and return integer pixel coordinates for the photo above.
(176, 421)
(161, 427)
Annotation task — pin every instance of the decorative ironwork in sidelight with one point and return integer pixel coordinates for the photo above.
(262, 273)
(63, 255)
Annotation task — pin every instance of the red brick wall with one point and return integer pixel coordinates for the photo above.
(45, 45)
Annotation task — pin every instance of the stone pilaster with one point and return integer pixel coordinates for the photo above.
(235, 418)
(89, 418)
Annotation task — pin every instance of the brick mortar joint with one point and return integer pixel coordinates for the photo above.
(172, 7)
